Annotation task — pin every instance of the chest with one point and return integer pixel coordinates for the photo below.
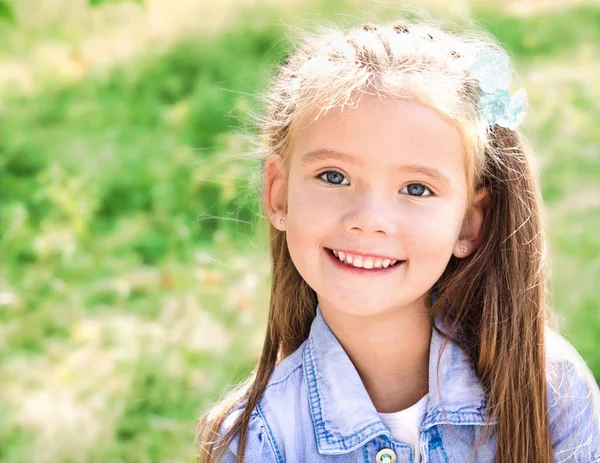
(438, 444)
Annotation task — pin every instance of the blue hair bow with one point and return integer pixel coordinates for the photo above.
(492, 69)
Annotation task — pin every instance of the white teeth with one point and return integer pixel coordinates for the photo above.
(363, 262)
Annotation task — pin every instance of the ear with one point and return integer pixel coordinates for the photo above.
(275, 191)
(470, 233)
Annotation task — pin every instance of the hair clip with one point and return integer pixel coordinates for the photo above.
(492, 69)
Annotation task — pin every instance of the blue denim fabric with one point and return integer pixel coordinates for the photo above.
(316, 409)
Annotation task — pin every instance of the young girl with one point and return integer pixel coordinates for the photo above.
(409, 317)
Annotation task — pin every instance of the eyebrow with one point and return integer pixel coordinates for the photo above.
(324, 154)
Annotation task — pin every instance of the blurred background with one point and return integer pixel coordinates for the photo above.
(134, 270)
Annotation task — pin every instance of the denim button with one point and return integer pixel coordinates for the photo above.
(385, 456)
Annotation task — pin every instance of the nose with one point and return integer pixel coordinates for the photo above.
(372, 213)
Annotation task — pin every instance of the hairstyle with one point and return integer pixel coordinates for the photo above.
(495, 301)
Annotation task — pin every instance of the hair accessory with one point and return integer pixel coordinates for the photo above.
(492, 69)
(401, 29)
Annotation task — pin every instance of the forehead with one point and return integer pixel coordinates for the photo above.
(385, 132)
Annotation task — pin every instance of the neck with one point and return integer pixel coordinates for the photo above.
(390, 351)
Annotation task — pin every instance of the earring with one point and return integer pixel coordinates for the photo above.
(463, 248)
(281, 219)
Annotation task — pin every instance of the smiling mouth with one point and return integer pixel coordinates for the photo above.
(360, 262)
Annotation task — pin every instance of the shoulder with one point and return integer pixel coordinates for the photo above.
(288, 370)
(276, 407)
(259, 447)
(573, 401)
(568, 372)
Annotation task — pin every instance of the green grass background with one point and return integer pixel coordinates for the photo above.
(134, 270)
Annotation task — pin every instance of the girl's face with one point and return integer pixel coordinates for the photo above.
(381, 182)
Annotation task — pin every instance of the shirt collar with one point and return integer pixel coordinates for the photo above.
(344, 416)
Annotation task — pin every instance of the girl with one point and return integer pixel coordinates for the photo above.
(409, 317)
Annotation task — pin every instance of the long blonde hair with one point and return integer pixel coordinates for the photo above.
(495, 300)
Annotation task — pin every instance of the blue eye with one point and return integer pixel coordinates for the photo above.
(416, 189)
(334, 177)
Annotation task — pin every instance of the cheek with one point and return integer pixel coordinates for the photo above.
(306, 216)
(434, 230)
(308, 205)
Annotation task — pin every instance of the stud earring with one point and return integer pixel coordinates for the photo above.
(463, 248)
(281, 220)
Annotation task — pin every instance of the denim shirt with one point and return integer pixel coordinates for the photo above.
(316, 409)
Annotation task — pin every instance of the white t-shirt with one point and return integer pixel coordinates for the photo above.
(404, 425)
